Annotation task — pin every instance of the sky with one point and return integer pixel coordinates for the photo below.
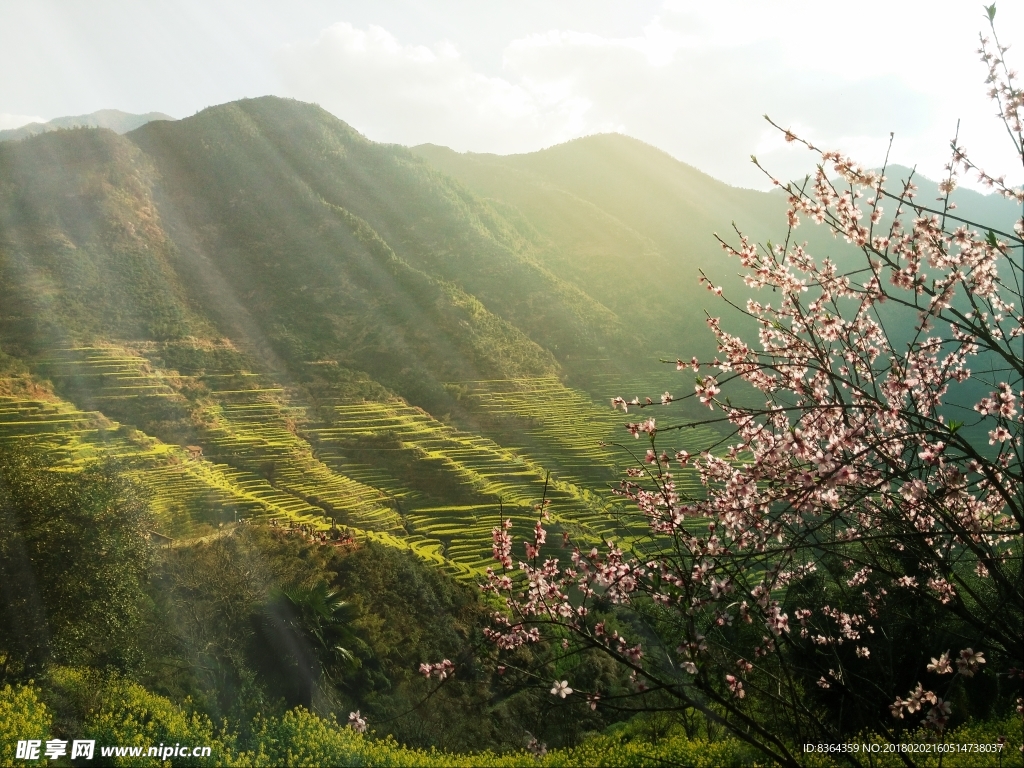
(692, 78)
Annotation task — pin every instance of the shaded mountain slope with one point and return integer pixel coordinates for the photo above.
(82, 252)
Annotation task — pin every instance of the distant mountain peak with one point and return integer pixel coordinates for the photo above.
(114, 119)
(279, 114)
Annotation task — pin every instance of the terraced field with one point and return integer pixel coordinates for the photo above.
(565, 430)
(252, 430)
(240, 424)
(216, 445)
(53, 424)
(188, 497)
(391, 444)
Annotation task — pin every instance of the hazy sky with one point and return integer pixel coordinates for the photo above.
(692, 78)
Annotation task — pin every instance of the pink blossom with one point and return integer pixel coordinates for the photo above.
(938, 715)
(536, 748)
(706, 390)
(735, 686)
(561, 689)
(998, 435)
(356, 722)
(969, 662)
(941, 665)
(441, 670)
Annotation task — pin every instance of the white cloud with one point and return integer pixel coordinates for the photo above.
(413, 94)
(8, 121)
(694, 82)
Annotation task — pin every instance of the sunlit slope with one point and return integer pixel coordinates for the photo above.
(260, 313)
(321, 244)
(554, 444)
(627, 221)
(238, 419)
(382, 469)
(188, 496)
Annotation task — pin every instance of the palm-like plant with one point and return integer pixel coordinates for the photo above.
(310, 636)
(321, 616)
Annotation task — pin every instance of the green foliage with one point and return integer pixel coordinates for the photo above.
(201, 231)
(307, 638)
(118, 712)
(205, 632)
(301, 738)
(251, 623)
(114, 711)
(588, 207)
(193, 356)
(409, 614)
(22, 716)
(321, 614)
(73, 561)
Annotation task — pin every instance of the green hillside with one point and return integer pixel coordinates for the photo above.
(261, 313)
(264, 285)
(626, 220)
(634, 227)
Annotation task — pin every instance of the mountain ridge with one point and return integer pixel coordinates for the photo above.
(113, 119)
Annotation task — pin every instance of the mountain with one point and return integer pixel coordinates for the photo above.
(276, 225)
(636, 226)
(114, 119)
(626, 220)
(282, 198)
(259, 312)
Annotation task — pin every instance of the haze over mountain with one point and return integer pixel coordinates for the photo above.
(114, 119)
(627, 221)
(396, 339)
